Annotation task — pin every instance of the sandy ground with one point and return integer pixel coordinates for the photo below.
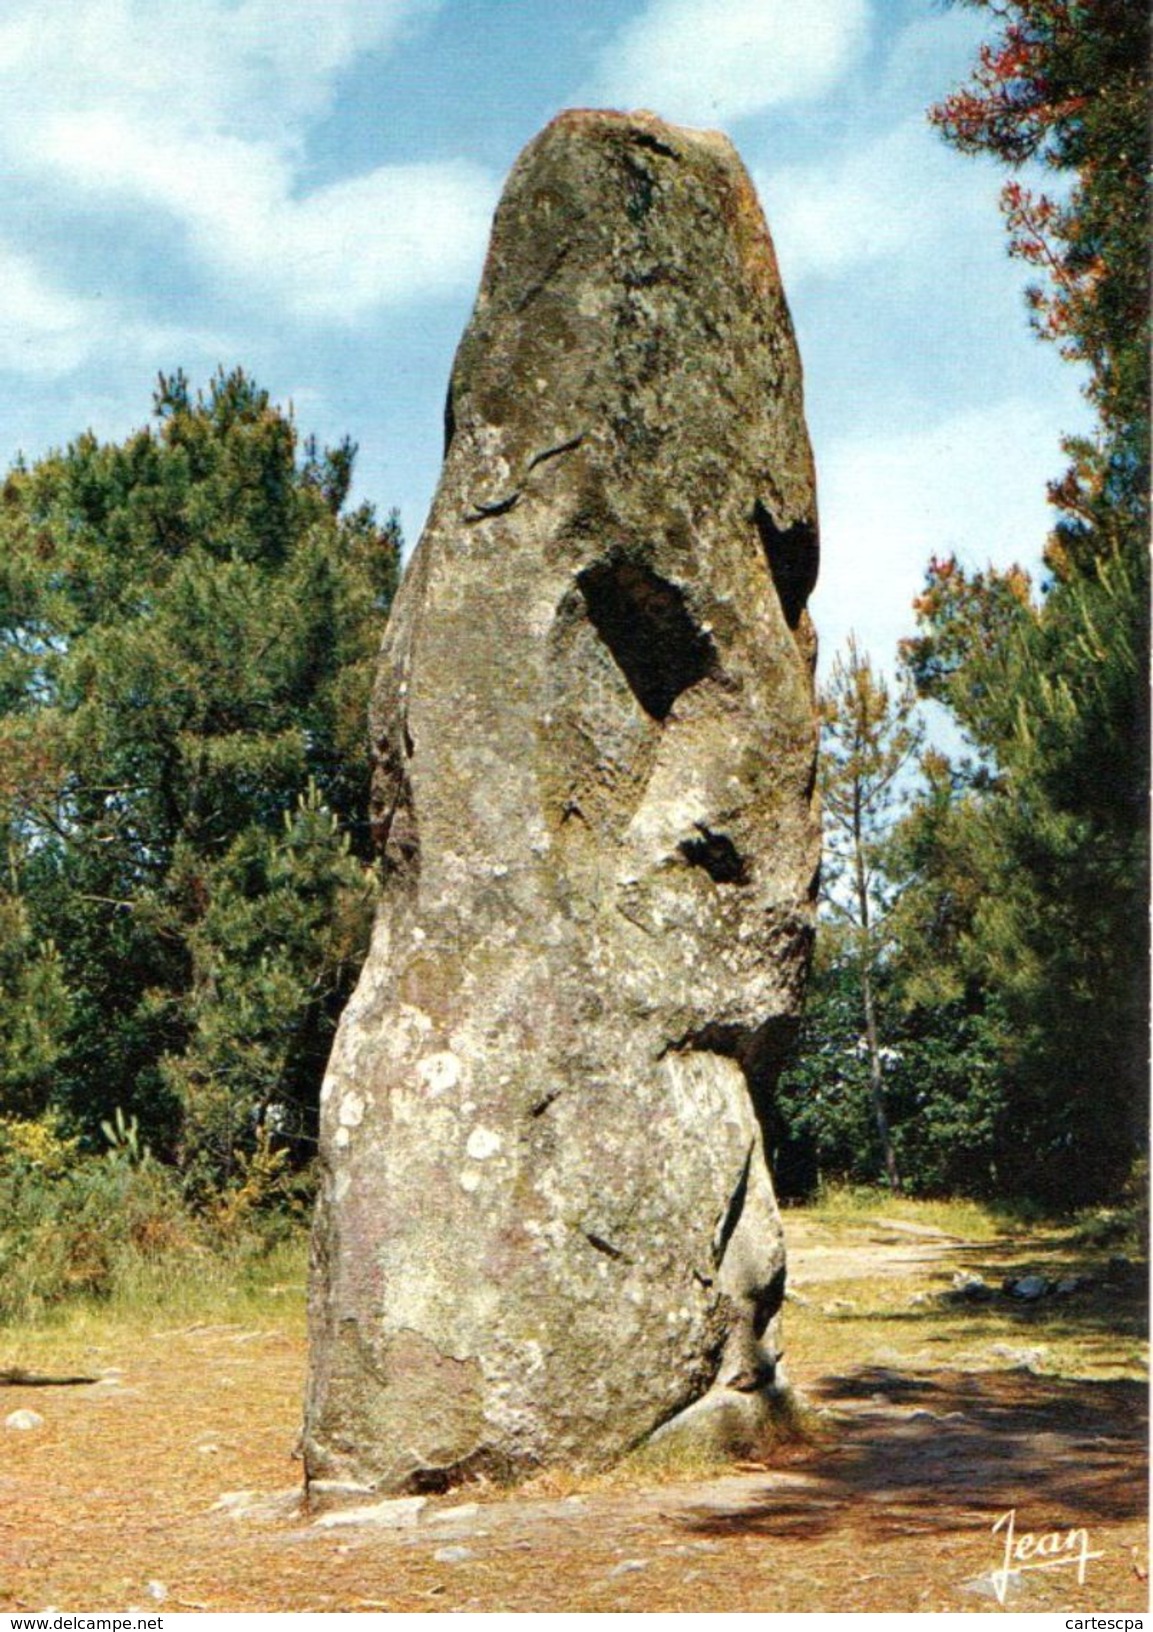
(115, 1500)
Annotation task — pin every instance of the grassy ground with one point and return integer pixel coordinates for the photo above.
(853, 1318)
(933, 1419)
(264, 1289)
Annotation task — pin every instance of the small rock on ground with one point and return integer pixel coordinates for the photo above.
(1028, 1287)
(969, 1288)
(983, 1586)
(255, 1504)
(1023, 1359)
(397, 1514)
(453, 1515)
(24, 1420)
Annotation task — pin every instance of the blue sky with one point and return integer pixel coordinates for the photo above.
(304, 187)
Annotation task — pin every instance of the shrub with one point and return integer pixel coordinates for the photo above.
(120, 1225)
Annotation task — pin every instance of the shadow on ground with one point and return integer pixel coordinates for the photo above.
(932, 1454)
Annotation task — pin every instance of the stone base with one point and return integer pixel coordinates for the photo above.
(725, 1424)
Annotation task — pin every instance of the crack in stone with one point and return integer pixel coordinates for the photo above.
(481, 511)
(498, 507)
(752, 1379)
(644, 138)
(601, 1245)
(767, 1302)
(731, 1216)
(554, 452)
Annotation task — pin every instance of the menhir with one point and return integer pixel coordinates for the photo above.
(547, 1228)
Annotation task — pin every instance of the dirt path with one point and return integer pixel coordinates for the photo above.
(113, 1501)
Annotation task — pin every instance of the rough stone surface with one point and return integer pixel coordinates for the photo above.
(547, 1226)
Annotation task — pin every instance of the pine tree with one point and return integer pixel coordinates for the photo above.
(1052, 688)
(187, 628)
(870, 739)
(1066, 83)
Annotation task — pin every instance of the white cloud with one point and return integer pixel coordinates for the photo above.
(48, 332)
(972, 484)
(904, 194)
(336, 253)
(713, 61)
(198, 66)
(200, 112)
(401, 231)
(43, 330)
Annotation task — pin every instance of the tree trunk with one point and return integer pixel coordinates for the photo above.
(876, 1087)
(865, 969)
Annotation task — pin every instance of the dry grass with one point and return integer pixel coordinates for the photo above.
(264, 1290)
(904, 1314)
(970, 1220)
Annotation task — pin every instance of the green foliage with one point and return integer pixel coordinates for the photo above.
(995, 923)
(78, 1228)
(187, 629)
(947, 1093)
(72, 1226)
(40, 1145)
(1032, 862)
(870, 739)
(943, 1088)
(1067, 83)
(897, 1073)
(34, 1011)
(273, 956)
(822, 1100)
(123, 1139)
(1026, 864)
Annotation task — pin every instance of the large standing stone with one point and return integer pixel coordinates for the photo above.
(547, 1227)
